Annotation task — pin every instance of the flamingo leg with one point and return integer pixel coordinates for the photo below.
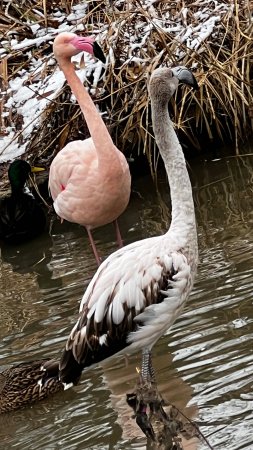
(147, 370)
(93, 246)
(118, 235)
(145, 395)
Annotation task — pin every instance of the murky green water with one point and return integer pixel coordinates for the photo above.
(204, 364)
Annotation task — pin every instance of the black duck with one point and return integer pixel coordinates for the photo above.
(21, 216)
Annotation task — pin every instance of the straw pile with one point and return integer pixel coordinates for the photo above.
(213, 38)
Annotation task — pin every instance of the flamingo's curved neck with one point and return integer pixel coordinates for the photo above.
(183, 216)
(98, 131)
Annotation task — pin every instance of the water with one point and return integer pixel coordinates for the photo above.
(204, 364)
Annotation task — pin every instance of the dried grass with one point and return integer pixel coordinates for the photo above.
(222, 63)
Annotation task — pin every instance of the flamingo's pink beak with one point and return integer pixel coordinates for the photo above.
(88, 45)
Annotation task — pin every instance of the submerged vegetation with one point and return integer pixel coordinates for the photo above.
(212, 38)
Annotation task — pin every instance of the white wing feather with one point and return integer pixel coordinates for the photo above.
(130, 279)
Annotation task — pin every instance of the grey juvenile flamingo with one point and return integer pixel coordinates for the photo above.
(138, 291)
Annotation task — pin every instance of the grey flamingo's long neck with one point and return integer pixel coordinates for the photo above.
(183, 216)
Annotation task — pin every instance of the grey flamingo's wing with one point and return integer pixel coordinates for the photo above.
(121, 298)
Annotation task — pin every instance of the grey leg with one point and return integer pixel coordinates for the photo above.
(147, 370)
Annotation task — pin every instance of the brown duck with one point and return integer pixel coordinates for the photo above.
(22, 385)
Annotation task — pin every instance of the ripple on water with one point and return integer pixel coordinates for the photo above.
(204, 364)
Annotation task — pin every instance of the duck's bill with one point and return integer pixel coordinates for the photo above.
(37, 169)
(98, 52)
(185, 76)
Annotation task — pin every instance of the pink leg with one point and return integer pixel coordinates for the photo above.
(93, 245)
(118, 235)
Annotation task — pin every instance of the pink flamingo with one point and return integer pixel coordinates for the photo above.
(89, 180)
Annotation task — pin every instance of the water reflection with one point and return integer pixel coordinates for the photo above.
(204, 364)
(121, 377)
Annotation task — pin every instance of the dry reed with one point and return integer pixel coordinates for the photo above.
(214, 38)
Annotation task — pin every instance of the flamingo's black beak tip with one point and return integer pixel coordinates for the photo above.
(98, 52)
(185, 76)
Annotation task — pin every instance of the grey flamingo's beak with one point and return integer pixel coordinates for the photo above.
(185, 76)
(98, 52)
